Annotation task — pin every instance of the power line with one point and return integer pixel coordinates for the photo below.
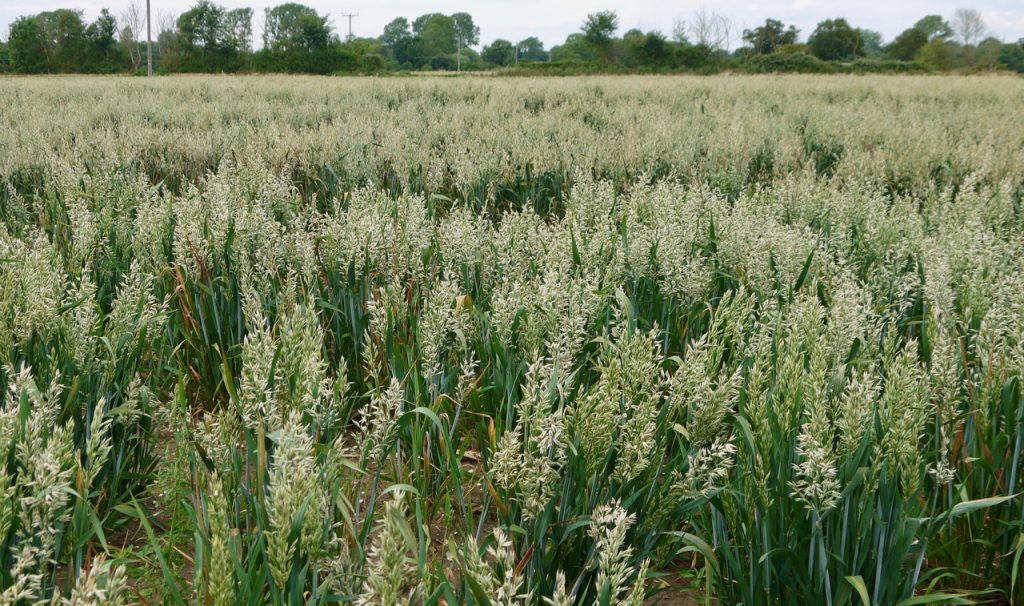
(349, 15)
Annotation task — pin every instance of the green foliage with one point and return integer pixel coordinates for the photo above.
(825, 153)
(835, 40)
(325, 61)
(63, 33)
(396, 38)
(871, 43)
(532, 49)
(295, 27)
(500, 52)
(935, 27)
(27, 50)
(59, 41)
(887, 66)
(795, 63)
(561, 68)
(238, 23)
(211, 38)
(1012, 56)
(466, 32)
(206, 40)
(575, 49)
(436, 35)
(987, 54)
(649, 50)
(938, 54)
(906, 46)
(767, 38)
(203, 26)
(599, 30)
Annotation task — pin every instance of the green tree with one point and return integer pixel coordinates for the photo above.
(988, 54)
(532, 49)
(657, 51)
(102, 33)
(365, 47)
(500, 52)
(26, 46)
(767, 38)
(291, 27)
(574, 49)
(871, 42)
(467, 33)
(395, 33)
(419, 24)
(599, 30)
(1012, 56)
(906, 46)
(938, 54)
(64, 39)
(206, 42)
(203, 26)
(398, 43)
(646, 50)
(103, 54)
(238, 23)
(835, 40)
(632, 42)
(436, 41)
(934, 27)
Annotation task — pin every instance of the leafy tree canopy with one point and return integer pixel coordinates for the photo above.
(532, 49)
(835, 40)
(598, 31)
(935, 27)
(767, 38)
(500, 52)
(906, 46)
(293, 26)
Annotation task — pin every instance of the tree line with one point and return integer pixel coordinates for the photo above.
(296, 38)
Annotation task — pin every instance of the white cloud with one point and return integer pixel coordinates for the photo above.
(1005, 24)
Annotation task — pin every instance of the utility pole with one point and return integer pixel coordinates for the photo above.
(349, 15)
(149, 44)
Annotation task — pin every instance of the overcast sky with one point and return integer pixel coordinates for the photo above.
(553, 20)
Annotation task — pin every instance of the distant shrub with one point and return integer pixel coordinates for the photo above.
(692, 60)
(562, 68)
(331, 60)
(780, 63)
(886, 66)
(793, 49)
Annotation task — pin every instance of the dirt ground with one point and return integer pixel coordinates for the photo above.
(675, 591)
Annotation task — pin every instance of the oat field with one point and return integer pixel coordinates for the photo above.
(731, 340)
